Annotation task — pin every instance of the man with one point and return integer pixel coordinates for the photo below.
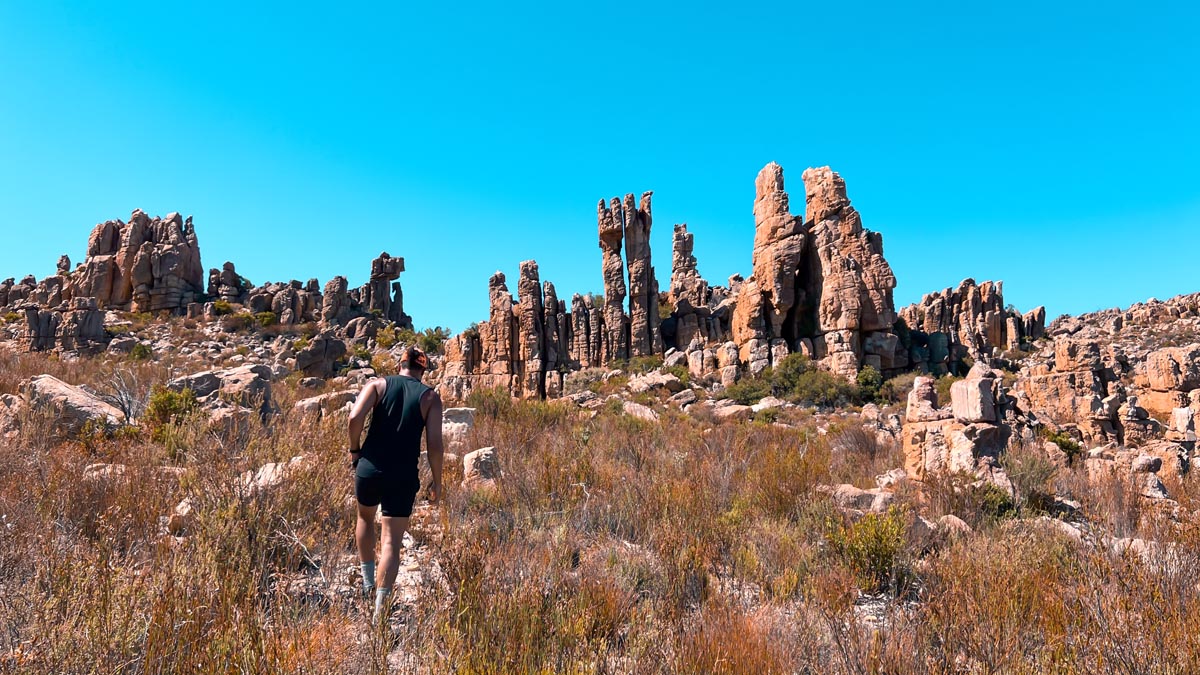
(385, 464)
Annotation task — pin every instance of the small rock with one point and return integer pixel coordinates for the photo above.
(480, 468)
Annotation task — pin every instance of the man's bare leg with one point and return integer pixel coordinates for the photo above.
(364, 539)
(393, 540)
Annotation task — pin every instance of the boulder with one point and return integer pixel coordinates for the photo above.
(73, 406)
(639, 411)
(655, 380)
(481, 468)
(923, 402)
(457, 424)
(973, 400)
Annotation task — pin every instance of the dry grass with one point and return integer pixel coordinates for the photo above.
(610, 545)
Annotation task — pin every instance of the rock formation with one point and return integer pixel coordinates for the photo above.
(382, 295)
(820, 284)
(615, 326)
(971, 320)
(966, 438)
(145, 265)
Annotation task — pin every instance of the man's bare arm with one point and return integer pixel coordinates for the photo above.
(434, 446)
(367, 398)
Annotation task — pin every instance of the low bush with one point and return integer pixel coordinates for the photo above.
(266, 319)
(874, 549)
(242, 322)
(896, 389)
(165, 408)
(222, 308)
(942, 385)
(869, 382)
(1065, 442)
(141, 352)
(12, 317)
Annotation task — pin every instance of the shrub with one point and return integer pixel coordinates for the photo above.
(265, 319)
(386, 337)
(1031, 473)
(1064, 442)
(222, 307)
(748, 390)
(785, 376)
(300, 343)
(165, 408)
(643, 364)
(820, 388)
(241, 322)
(141, 352)
(430, 340)
(896, 389)
(873, 548)
(493, 402)
(869, 383)
(682, 372)
(943, 385)
(12, 317)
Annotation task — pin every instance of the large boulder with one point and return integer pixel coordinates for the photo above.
(973, 400)
(1174, 368)
(318, 358)
(457, 424)
(73, 406)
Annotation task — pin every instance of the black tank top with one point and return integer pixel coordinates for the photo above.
(393, 445)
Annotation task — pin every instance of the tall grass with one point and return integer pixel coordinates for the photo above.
(608, 545)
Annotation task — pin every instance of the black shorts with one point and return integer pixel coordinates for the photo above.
(396, 495)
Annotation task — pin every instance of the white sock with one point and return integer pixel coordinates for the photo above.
(368, 575)
(381, 600)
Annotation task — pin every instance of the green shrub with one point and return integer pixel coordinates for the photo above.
(265, 319)
(1064, 442)
(166, 408)
(869, 383)
(873, 549)
(643, 364)
(748, 390)
(493, 402)
(682, 372)
(430, 340)
(386, 337)
(942, 385)
(141, 352)
(361, 353)
(242, 322)
(785, 376)
(300, 343)
(820, 388)
(896, 389)
(1031, 473)
(12, 317)
(222, 307)
(116, 330)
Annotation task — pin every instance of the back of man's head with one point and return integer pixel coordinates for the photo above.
(414, 360)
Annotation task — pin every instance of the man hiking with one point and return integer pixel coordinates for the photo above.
(385, 465)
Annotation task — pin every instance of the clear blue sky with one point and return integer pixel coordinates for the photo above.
(1054, 145)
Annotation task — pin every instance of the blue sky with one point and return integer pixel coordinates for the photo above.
(1051, 145)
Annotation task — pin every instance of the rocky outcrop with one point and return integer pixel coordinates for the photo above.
(145, 265)
(820, 283)
(319, 358)
(971, 320)
(614, 329)
(967, 438)
(644, 336)
(382, 295)
(77, 325)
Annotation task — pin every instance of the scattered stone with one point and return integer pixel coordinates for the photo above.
(481, 468)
